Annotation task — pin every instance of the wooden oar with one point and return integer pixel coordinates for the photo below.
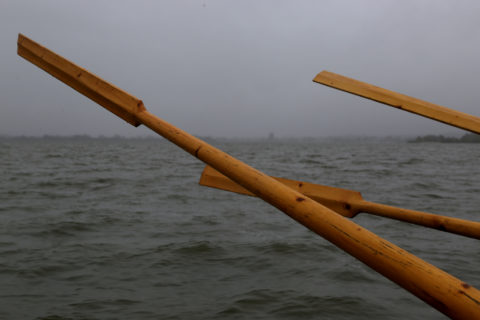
(349, 203)
(441, 290)
(400, 101)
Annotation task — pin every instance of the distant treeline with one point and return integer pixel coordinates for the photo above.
(79, 137)
(269, 138)
(466, 138)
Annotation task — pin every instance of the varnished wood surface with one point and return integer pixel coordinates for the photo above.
(441, 290)
(400, 101)
(105, 94)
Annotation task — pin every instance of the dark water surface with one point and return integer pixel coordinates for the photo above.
(120, 229)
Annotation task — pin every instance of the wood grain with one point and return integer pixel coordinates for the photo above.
(400, 101)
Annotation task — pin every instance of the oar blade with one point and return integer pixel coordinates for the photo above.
(107, 95)
(214, 179)
(426, 109)
(339, 200)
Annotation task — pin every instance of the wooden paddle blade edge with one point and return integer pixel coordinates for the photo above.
(400, 101)
(107, 95)
(214, 179)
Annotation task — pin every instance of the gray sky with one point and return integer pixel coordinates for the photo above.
(242, 68)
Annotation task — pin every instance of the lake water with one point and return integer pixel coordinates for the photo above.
(120, 229)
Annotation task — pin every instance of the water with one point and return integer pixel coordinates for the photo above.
(120, 229)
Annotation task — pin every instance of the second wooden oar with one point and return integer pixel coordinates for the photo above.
(439, 289)
(443, 114)
(349, 203)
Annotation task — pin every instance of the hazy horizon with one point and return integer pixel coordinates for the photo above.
(266, 137)
(242, 68)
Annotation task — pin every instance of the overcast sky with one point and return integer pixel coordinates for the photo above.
(242, 68)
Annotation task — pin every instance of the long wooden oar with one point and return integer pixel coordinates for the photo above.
(349, 203)
(441, 290)
(400, 101)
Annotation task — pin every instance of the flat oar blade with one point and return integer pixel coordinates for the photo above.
(426, 109)
(214, 179)
(107, 95)
(338, 200)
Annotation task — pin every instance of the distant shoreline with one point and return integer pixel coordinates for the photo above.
(466, 138)
(85, 137)
(76, 137)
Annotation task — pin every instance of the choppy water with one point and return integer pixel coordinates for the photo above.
(120, 229)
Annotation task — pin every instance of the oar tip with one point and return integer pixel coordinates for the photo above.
(323, 77)
(21, 38)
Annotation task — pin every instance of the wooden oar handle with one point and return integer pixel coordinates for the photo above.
(454, 225)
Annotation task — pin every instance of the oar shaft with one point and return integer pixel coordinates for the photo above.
(441, 290)
(454, 225)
